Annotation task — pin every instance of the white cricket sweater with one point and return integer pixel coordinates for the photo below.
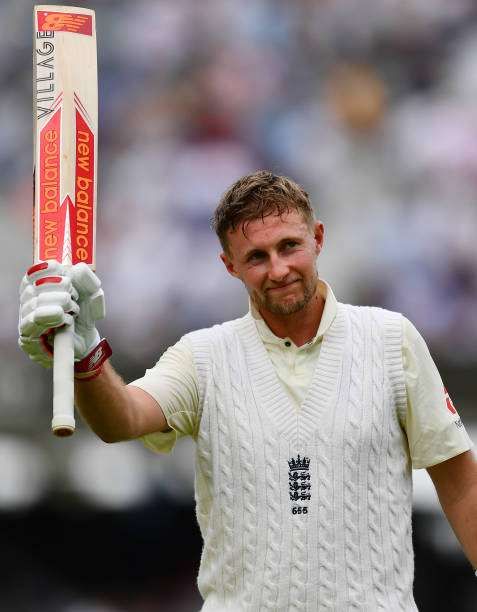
(309, 510)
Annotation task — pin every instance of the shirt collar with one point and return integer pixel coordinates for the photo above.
(329, 313)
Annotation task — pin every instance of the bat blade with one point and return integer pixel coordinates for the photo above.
(65, 136)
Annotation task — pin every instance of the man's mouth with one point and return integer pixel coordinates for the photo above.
(283, 286)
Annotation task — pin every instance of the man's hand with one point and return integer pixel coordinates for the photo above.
(53, 295)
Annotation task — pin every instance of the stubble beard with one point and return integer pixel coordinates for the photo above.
(284, 307)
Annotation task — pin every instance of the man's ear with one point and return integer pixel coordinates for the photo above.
(228, 263)
(319, 234)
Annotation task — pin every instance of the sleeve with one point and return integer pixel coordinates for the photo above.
(173, 383)
(434, 429)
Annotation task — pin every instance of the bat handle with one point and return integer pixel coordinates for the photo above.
(63, 422)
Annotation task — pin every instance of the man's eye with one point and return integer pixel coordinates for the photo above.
(255, 256)
(290, 244)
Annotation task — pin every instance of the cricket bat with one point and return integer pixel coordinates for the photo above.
(65, 145)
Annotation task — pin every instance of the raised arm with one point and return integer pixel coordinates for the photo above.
(116, 411)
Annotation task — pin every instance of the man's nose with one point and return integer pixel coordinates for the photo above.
(278, 269)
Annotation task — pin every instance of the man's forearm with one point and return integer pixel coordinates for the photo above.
(462, 515)
(106, 405)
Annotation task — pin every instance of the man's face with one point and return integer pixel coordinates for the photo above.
(276, 261)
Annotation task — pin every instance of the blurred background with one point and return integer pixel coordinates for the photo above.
(371, 105)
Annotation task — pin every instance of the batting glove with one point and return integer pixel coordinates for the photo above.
(53, 295)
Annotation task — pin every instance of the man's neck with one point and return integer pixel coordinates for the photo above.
(301, 326)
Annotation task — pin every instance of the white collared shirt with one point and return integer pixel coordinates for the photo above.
(173, 383)
(295, 364)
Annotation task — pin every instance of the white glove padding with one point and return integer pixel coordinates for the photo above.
(53, 295)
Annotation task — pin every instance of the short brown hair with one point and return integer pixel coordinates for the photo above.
(256, 196)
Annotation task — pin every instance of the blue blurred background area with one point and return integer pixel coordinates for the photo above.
(371, 105)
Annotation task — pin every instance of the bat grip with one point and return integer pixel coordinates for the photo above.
(63, 422)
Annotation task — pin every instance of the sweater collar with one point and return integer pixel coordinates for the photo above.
(327, 318)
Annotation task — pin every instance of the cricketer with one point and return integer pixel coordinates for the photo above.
(308, 416)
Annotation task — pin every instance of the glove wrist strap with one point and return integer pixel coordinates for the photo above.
(90, 366)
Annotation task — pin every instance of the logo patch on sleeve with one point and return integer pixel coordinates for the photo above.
(450, 405)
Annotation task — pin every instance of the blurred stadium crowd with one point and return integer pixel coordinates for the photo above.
(370, 104)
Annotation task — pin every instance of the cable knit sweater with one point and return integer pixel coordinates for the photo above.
(308, 510)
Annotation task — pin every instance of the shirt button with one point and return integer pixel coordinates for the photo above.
(287, 343)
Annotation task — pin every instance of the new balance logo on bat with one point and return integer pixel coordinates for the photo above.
(65, 22)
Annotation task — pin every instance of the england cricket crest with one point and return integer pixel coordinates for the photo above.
(299, 482)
